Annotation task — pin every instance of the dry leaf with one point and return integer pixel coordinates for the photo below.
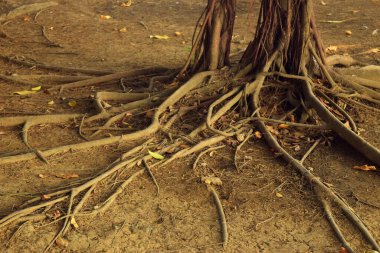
(159, 37)
(26, 18)
(123, 30)
(42, 176)
(177, 33)
(279, 195)
(61, 242)
(104, 17)
(74, 222)
(67, 176)
(127, 4)
(51, 102)
(72, 103)
(45, 197)
(283, 126)
(332, 49)
(156, 155)
(365, 167)
(258, 135)
(24, 92)
(36, 88)
(343, 250)
(348, 32)
(323, 3)
(212, 180)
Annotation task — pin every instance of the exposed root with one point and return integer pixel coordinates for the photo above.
(222, 216)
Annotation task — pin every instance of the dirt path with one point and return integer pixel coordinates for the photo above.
(268, 207)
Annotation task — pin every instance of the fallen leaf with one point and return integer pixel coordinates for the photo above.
(177, 33)
(104, 17)
(67, 176)
(123, 30)
(127, 4)
(348, 32)
(61, 242)
(343, 250)
(159, 37)
(26, 18)
(42, 176)
(332, 49)
(375, 32)
(24, 92)
(279, 195)
(323, 3)
(45, 197)
(258, 135)
(72, 103)
(365, 167)
(74, 222)
(283, 126)
(51, 102)
(212, 181)
(156, 155)
(36, 88)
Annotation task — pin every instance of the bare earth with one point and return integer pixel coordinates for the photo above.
(183, 218)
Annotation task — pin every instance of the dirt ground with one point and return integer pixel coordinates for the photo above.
(183, 217)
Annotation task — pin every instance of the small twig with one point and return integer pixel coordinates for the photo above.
(151, 175)
(222, 216)
(315, 144)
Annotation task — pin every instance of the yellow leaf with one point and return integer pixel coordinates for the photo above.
(279, 195)
(51, 102)
(25, 92)
(123, 30)
(37, 88)
(258, 135)
(72, 103)
(177, 33)
(74, 222)
(105, 17)
(159, 37)
(283, 126)
(365, 167)
(156, 155)
(127, 4)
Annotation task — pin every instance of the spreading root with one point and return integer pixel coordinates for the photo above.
(229, 104)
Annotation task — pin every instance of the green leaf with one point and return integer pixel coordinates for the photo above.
(156, 155)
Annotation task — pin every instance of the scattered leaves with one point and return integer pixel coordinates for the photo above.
(365, 168)
(159, 37)
(156, 155)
